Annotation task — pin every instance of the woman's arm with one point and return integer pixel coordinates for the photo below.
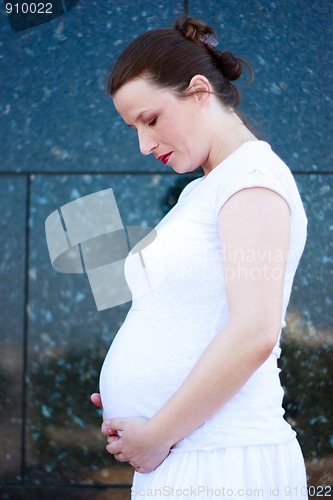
(254, 231)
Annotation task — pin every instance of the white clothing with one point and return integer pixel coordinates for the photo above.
(265, 472)
(170, 324)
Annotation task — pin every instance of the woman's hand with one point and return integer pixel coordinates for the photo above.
(96, 399)
(131, 440)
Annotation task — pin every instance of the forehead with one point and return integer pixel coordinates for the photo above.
(139, 95)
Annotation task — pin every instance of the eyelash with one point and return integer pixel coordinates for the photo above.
(153, 122)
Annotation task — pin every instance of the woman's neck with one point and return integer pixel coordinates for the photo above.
(227, 133)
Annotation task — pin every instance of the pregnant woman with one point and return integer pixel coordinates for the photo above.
(190, 386)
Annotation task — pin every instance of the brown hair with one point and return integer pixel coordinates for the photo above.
(171, 57)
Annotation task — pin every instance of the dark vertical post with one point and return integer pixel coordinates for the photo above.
(25, 334)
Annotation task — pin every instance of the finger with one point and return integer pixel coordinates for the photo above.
(112, 426)
(110, 432)
(96, 399)
(120, 457)
(113, 438)
(114, 449)
(107, 430)
(116, 423)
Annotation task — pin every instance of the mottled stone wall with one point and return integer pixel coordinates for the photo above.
(60, 139)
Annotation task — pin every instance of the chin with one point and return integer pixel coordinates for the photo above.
(184, 169)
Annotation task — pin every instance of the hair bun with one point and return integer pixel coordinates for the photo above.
(197, 31)
(230, 65)
(193, 29)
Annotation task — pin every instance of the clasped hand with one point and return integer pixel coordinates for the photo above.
(131, 440)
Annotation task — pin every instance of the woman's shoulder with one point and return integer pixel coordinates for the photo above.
(189, 188)
(254, 164)
(253, 161)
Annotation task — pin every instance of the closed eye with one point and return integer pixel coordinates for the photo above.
(152, 122)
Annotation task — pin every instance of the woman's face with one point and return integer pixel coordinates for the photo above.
(168, 126)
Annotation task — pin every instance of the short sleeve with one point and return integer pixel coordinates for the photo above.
(254, 170)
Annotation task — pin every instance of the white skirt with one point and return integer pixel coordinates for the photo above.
(274, 471)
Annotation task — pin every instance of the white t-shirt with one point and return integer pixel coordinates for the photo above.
(172, 320)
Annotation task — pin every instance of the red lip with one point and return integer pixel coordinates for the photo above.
(165, 158)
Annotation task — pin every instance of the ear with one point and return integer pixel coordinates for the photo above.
(200, 86)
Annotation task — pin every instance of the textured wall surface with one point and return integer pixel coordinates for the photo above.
(61, 139)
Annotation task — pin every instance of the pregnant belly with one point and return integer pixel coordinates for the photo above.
(145, 365)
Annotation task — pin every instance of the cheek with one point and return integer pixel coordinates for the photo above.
(190, 157)
(181, 131)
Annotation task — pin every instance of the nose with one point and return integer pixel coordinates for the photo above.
(147, 141)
